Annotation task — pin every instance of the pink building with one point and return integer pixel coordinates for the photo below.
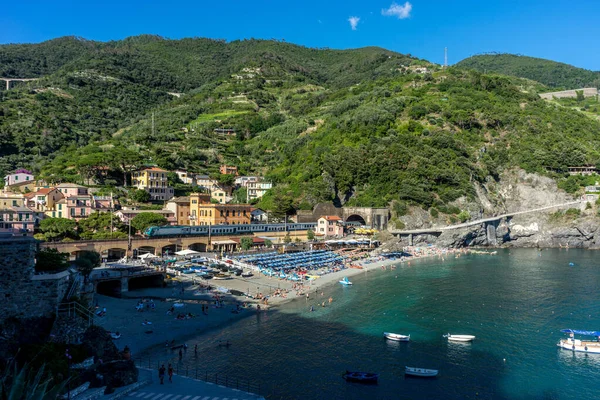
(72, 189)
(19, 176)
(19, 220)
(330, 226)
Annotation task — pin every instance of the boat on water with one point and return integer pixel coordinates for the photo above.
(345, 281)
(362, 377)
(397, 337)
(422, 372)
(585, 346)
(459, 338)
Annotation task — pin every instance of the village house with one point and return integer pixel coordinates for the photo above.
(221, 194)
(256, 190)
(330, 226)
(259, 216)
(228, 170)
(180, 206)
(19, 176)
(185, 177)
(8, 200)
(154, 181)
(18, 220)
(126, 215)
(206, 213)
(44, 199)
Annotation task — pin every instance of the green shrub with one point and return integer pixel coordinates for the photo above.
(464, 216)
(434, 213)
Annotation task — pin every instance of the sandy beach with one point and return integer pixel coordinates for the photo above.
(206, 310)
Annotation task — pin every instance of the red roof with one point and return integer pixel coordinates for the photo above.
(331, 217)
(155, 169)
(44, 191)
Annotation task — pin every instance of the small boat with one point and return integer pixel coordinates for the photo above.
(459, 338)
(222, 276)
(115, 335)
(584, 346)
(422, 372)
(396, 337)
(362, 377)
(345, 281)
(247, 274)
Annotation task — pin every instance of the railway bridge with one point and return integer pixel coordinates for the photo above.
(117, 248)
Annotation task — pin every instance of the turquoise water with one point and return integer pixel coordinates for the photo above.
(515, 303)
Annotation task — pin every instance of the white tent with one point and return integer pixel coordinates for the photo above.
(187, 252)
(146, 256)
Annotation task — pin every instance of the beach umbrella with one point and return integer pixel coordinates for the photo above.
(186, 252)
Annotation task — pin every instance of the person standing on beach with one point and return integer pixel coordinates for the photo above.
(196, 349)
(170, 373)
(180, 354)
(161, 374)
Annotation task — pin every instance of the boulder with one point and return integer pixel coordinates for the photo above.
(98, 343)
(112, 374)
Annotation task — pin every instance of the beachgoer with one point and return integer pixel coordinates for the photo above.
(180, 354)
(161, 374)
(196, 349)
(170, 370)
(330, 300)
(312, 308)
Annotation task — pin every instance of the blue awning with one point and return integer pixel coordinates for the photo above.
(585, 333)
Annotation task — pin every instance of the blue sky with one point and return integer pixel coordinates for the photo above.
(557, 30)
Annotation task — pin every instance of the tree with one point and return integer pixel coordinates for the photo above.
(125, 159)
(99, 222)
(51, 260)
(144, 220)
(310, 234)
(240, 195)
(287, 239)
(246, 243)
(580, 96)
(55, 229)
(283, 205)
(268, 243)
(87, 261)
(139, 196)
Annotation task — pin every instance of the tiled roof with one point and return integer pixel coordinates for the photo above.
(331, 217)
(44, 191)
(70, 185)
(154, 169)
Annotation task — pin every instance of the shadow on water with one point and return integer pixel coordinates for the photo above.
(293, 357)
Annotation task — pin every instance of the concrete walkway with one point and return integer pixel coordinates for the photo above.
(184, 388)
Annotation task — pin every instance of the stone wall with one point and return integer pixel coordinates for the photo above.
(24, 294)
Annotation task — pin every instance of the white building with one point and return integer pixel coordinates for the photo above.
(185, 177)
(19, 176)
(256, 190)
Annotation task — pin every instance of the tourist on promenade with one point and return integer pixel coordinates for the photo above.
(180, 354)
(161, 374)
(170, 373)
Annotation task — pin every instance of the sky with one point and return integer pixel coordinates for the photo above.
(565, 31)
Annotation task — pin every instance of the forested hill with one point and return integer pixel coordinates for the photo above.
(550, 73)
(181, 65)
(364, 127)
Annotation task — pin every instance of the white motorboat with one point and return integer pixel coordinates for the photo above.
(247, 274)
(345, 281)
(459, 338)
(396, 337)
(584, 346)
(422, 372)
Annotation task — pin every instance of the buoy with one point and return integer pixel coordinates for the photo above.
(504, 359)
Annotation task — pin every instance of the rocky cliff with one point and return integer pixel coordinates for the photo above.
(575, 226)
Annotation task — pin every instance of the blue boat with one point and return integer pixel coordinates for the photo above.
(345, 281)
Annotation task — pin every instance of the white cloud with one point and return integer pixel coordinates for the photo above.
(400, 11)
(353, 22)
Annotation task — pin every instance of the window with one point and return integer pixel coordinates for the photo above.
(26, 178)
(53, 214)
(60, 206)
(83, 211)
(59, 214)
(181, 214)
(16, 178)
(15, 203)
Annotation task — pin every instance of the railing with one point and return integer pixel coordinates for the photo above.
(205, 376)
(74, 284)
(75, 309)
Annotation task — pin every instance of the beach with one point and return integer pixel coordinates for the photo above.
(201, 310)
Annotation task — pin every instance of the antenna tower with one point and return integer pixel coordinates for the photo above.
(445, 57)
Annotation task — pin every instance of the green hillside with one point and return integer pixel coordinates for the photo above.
(550, 73)
(360, 127)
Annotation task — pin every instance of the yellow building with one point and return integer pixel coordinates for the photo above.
(202, 212)
(154, 181)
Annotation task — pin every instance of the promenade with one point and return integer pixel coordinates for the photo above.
(184, 388)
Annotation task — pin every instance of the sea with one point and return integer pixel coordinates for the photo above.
(515, 303)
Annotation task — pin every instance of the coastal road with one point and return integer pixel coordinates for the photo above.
(481, 221)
